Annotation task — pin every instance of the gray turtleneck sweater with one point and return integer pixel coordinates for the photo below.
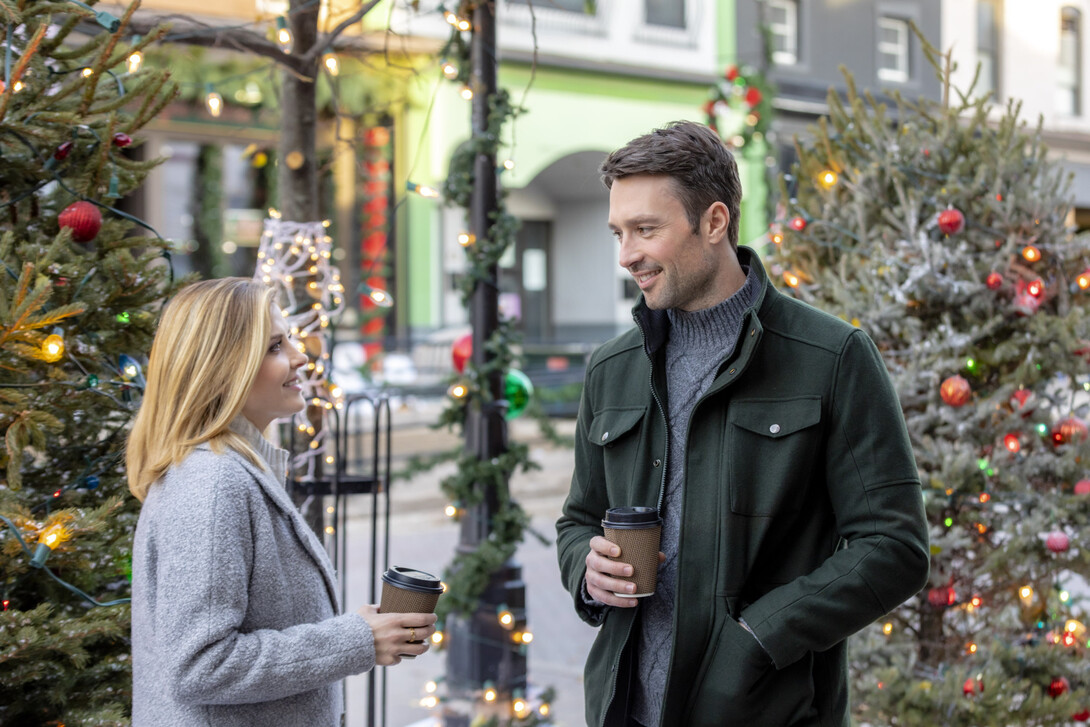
(699, 343)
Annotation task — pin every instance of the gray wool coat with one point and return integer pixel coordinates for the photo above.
(234, 609)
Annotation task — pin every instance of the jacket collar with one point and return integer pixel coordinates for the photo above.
(655, 324)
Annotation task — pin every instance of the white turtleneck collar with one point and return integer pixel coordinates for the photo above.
(276, 457)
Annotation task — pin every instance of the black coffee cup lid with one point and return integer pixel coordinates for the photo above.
(412, 580)
(619, 518)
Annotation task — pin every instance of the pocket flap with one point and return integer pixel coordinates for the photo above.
(776, 418)
(609, 425)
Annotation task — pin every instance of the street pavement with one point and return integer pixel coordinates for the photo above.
(423, 537)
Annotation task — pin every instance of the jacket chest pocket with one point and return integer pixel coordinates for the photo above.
(772, 448)
(616, 431)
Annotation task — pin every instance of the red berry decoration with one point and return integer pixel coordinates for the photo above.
(83, 219)
(942, 597)
(1059, 686)
(1022, 396)
(61, 153)
(732, 73)
(1083, 716)
(798, 224)
(951, 221)
(1082, 487)
(753, 96)
(972, 686)
(1058, 542)
(461, 351)
(955, 391)
(1069, 430)
(994, 280)
(122, 140)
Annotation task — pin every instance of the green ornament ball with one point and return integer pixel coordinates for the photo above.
(517, 390)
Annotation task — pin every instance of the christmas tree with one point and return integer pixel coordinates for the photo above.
(942, 229)
(79, 291)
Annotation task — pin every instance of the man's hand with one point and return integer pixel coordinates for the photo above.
(601, 569)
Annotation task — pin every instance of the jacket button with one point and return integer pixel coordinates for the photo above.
(775, 429)
(657, 463)
(605, 436)
(753, 331)
(733, 370)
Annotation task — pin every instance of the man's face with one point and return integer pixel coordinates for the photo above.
(673, 266)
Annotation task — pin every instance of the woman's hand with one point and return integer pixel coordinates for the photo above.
(394, 631)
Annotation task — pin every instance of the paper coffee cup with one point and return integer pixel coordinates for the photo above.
(405, 590)
(637, 531)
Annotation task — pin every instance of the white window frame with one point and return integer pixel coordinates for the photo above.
(1073, 88)
(898, 50)
(788, 30)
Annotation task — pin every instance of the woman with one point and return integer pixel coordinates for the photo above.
(234, 610)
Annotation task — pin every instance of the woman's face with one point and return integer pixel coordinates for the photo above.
(277, 391)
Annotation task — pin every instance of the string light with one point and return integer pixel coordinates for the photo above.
(449, 70)
(283, 35)
(213, 101)
(1031, 253)
(48, 540)
(508, 164)
(887, 628)
(543, 710)
(466, 93)
(1025, 593)
(429, 702)
(1035, 288)
(520, 707)
(87, 72)
(791, 279)
(437, 638)
(1084, 280)
(777, 238)
(490, 694)
(53, 346)
(450, 510)
(466, 239)
(136, 58)
(506, 618)
(422, 190)
(431, 687)
(828, 179)
(332, 65)
(457, 391)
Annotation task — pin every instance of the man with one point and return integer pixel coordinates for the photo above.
(770, 438)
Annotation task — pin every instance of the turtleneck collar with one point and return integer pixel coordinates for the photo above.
(719, 323)
(275, 457)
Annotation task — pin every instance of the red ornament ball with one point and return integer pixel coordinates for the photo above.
(1082, 487)
(1059, 686)
(1069, 430)
(1021, 396)
(461, 351)
(994, 280)
(753, 96)
(797, 223)
(1058, 542)
(951, 221)
(972, 686)
(955, 391)
(83, 219)
(122, 140)
(1083, 716)
(732, 73)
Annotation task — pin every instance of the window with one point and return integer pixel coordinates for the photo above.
(987, 47)
(668, 13)
(1068, 75)
(893, 36)
(783, 27)
(571, 6)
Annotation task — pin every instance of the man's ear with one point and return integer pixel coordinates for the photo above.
(716, 221)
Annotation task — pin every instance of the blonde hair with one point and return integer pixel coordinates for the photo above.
(207, 350)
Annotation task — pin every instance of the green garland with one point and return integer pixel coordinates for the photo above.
(468, 574)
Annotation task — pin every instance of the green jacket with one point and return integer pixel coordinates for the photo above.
(801, 513)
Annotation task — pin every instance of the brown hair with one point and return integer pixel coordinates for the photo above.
(701, 167)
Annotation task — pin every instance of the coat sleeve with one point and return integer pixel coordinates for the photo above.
(874, 489)
(582, 513)
(204, 551)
